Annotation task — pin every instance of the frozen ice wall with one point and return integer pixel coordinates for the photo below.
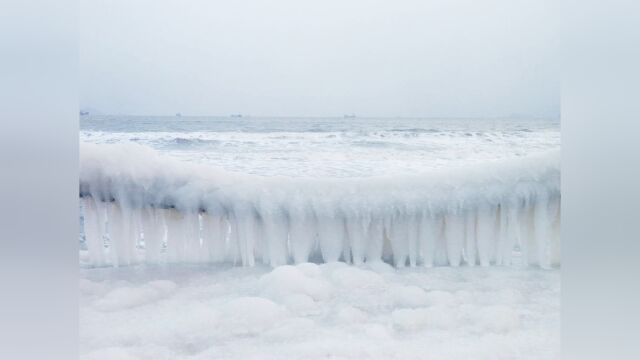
(140, 207)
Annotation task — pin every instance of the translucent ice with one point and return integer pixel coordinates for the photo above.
(157, 209)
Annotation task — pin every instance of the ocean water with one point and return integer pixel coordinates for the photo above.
(328, 147)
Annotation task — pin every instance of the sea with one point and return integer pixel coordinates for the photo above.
(328, 147)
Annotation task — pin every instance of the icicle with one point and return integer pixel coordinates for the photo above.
(506, 241)
(135, 230)
(486, 234)
(527, 233)
(175, 235)
(122, 244)
(375, 246)
(276, 233)
(233, 239)
(192, 246)
(429, 235)
(162, 215)
(246, 223)
(413, 229)
(330, 236)
(94, 230)
(262, 242)
(542, 233)
(454, 235)
(214, 237)
(399, 237)
(357, 227)
(554, 213)
(302, 234)
(513, 228)
(441, 257)
(153, 231)
(470, 245)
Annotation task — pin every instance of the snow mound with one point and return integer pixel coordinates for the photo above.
(128, 297)
(440, 298)
(497, 319)
(288, 280)
(204, 312)
(409, 296)
(350, 315)
(301, 305)
(250, 315)
(353, 277)
(436, 317)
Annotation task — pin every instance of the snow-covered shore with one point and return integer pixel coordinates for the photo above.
(311, 311)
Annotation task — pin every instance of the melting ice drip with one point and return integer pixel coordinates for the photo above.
(141, 207)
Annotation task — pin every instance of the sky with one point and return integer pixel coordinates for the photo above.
(431, 58)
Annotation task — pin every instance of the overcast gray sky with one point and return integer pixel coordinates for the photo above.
(320, 58)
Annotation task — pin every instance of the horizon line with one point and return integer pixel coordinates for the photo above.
(345, 116)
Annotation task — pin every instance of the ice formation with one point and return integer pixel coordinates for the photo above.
(139, 206)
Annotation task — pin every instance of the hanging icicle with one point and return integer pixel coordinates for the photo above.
(156, 210)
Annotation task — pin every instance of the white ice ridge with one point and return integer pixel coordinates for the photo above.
(139, 206)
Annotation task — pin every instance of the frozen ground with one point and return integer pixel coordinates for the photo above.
(311, 311)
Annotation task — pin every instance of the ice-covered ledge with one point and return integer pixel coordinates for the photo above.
(141, 207)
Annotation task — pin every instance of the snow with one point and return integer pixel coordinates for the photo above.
(416, 319)
(250, 315)
(142, 207)
(311, 311)
(287, 280)
(308, 239)
(128, 297)
(409, 296)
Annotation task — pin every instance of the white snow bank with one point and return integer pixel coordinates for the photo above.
(141, 207)
(411, 313)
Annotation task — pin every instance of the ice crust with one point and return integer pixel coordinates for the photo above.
(141, 207)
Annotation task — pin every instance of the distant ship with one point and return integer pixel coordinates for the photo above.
(83, 113)
(349, 116)
(178, 114)
(236, 115)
